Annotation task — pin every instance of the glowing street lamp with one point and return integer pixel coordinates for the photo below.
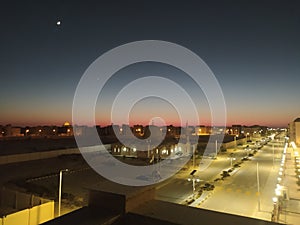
(231, 159)
(235, 145)
(194, 180)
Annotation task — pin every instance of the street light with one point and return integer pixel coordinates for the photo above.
(231, 158)
(59, 189)
(193, 179)
(235, 145)
(275, 210)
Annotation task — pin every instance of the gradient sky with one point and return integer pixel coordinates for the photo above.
(252, 47)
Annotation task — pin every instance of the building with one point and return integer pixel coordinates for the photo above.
(138, 130)
(255, 131)
(10, 131)
(202, 130)
(294, 131)
(236, 129)
(164, 150)
(65, 130)
(115, 204)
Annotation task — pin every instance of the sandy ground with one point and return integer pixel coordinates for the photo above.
(41, 177)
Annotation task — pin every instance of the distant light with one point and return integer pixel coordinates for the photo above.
(277, 192)
(275, 199)
(58, 23)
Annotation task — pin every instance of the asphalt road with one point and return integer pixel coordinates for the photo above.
(237, 194)
(178, 188)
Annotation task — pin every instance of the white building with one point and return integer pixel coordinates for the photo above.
(294, 131)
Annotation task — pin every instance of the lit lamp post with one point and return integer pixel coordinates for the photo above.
(275, 210)
(194, 180)
(59, 189)
(235, 145)
(231, 159)
(247, 137)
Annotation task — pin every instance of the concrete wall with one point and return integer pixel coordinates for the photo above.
(232, 144)
(18, 201)
(43, 155)
(33, 216)
(42, 213)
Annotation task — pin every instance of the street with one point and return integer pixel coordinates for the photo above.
(238, 193)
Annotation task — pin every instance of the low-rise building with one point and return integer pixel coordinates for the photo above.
(294, 131)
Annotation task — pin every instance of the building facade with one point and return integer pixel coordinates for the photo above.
(294, 131)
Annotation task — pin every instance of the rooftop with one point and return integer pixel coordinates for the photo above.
(180, 214)
(107, 204)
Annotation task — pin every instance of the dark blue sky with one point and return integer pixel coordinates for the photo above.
(252, 47)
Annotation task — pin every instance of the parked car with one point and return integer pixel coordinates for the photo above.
(208, 187)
